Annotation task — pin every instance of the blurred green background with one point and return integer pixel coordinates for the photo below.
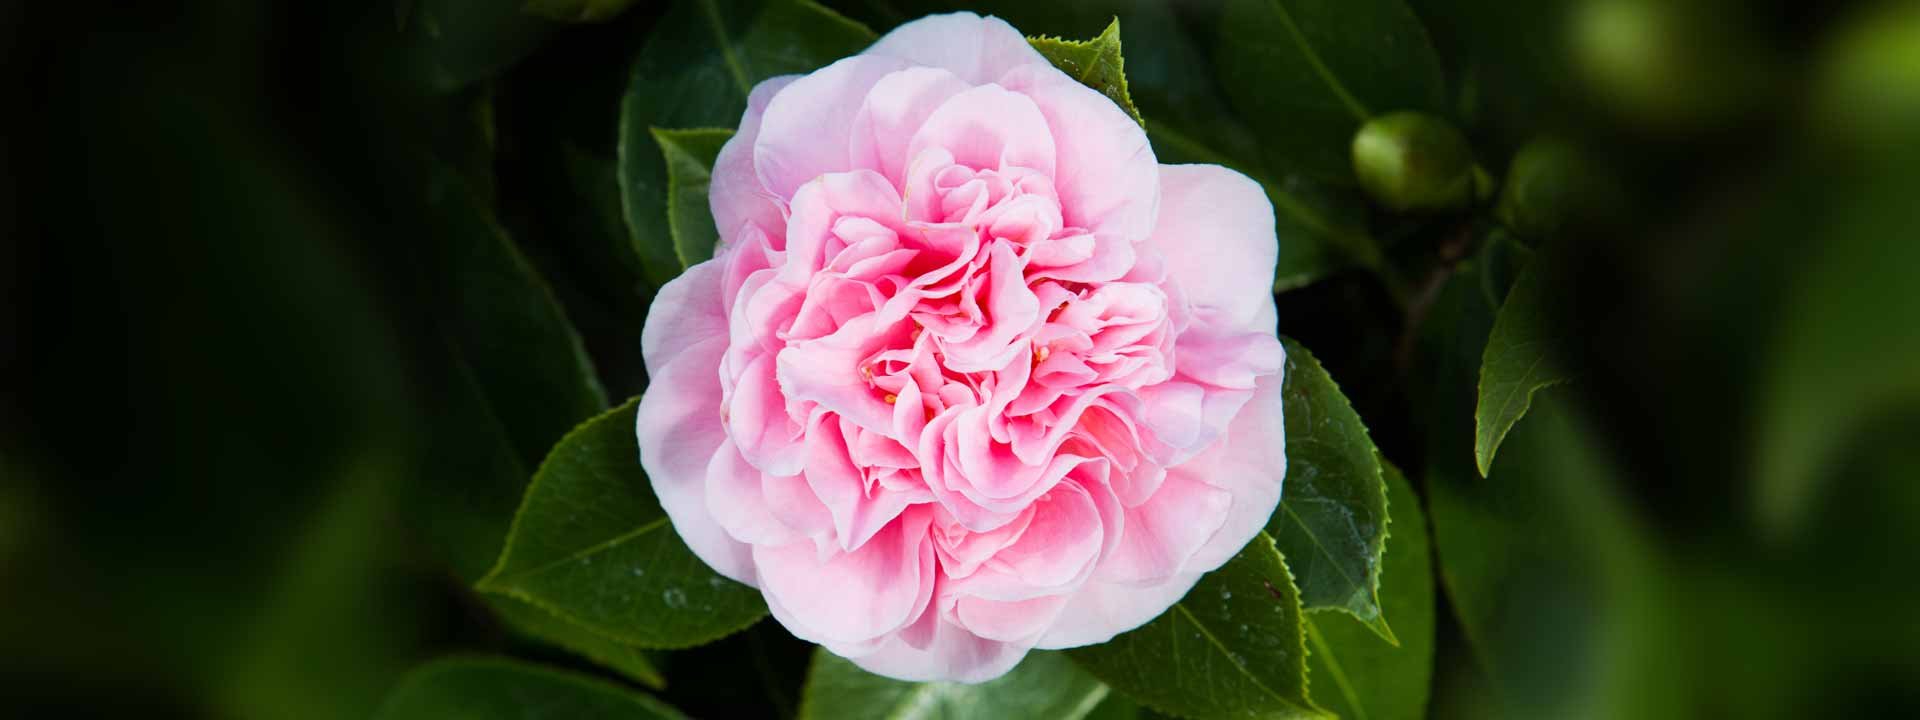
(249, 388)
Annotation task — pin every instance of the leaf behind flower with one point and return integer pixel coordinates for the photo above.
(591, 545)
(1096, 63)
(695, 70)
(1332, 520)
(1044, 685)
(1235, 646)
(482, 688)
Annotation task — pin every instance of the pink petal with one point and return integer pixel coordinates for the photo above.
(1249, 463)
(852, 597)
(1107, 178)
(1101, 610)
(678, 422)
(736, 195)
(1216, 234)
(1013, 621)
(978, 50)
(988, 128)
(857, 515)
(896, 108)
(828, 371)
(948, 653)
(735, 500)
(806, 131)
(1165, 532)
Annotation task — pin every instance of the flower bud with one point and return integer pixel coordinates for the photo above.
(1552, 185)
(1412, 162)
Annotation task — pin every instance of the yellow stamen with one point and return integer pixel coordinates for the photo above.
(1041, 353)
(891, 398)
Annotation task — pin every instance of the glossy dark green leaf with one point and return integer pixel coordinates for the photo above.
(689, 155)
(628, 660)
(455, 43)
(1355, 673)
(591, 545)
(1332, 520)
(1096, 63)
(1044, 685)
(695, 69)
(504, 324)
(1519, 361)
(1307, 73)
(481, 688)
(1233, 647)
(577, 10)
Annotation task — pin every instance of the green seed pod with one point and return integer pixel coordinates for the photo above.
(1412, 162)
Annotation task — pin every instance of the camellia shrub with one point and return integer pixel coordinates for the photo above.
(1376, 359)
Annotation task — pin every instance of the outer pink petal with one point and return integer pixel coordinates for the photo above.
(807, 129)
(1101, 610)
(678, 424)
(979, 50)
(854, 597)
(1250, 463)
(1163, 534)
(1216, 233)
(950, 653)
(736, 195)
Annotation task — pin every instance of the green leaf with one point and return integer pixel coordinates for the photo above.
(1357, 674)
(455, 43)
(1308, 73)
(1044, 685)
(591, 545)
(482, 688)
(504, 323)
(695, 70)
(690, 155)
(577, 10)
(1096, 63)
(1233, 647)
(1332, 521)
(1518, 362)
(544, 626)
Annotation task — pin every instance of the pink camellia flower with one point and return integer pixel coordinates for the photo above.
(970, 372)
